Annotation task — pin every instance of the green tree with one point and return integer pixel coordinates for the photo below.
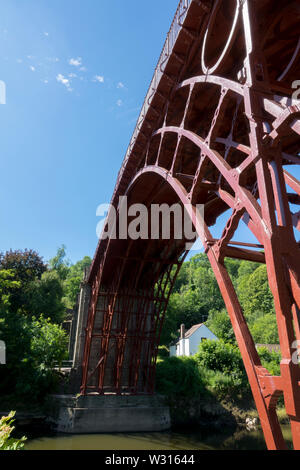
(26, 266)
(7, 283)
(179, 376)
(233, 266)
(59, 263)
(195, 293)
(45, 296)
(264, 330)
(270, 360)
(255, 295)
(48, 343)
(15, 332)
(222, 366)
(32, 348)
(219, 323)
(31, 293)
(196, 296)
(170, 330)
(246, 268)
(73, 281)
(219, 356)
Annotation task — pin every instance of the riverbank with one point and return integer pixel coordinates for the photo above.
(212, 413)
(205, 413)
(209, 412)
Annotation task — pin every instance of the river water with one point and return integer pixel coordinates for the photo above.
(204, 440)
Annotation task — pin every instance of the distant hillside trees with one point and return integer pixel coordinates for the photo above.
(34, 297)
(71, 275)
(196, 297)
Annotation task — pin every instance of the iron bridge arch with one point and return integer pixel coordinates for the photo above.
(220, 127)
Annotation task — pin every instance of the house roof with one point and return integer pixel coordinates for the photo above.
(192, 330)
(188, 333)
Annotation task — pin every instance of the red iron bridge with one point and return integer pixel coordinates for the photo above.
(219, 127)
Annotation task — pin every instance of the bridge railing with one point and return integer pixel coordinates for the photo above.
(176, 26)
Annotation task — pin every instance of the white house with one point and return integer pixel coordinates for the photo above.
(190, 340)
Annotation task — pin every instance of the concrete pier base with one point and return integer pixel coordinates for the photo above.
(109, 414)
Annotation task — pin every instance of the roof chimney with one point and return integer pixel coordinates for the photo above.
(182, 331)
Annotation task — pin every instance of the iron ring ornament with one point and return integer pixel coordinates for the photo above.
(210, 70)
(291, 62)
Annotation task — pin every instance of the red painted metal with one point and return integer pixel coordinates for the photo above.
(217, 128)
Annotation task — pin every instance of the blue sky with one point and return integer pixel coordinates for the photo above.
(76, 74)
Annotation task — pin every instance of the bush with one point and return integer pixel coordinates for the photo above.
(26, 266)
(222, 385)
(48, 344)
(219, 323)
(264, 329)
(44, 296)
(179, 376)
(255, 295)
(270, 360)
(6, 428)
(163, 351)
(223, 369)
(33, 347)
(219, 356)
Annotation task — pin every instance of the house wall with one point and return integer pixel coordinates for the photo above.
(189, 346)
(183, 347)
(197, 337)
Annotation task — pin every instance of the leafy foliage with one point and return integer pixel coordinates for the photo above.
(7, 283)
(219, 356)
(59, 264)
(195, 293)
(264, 329)
(74, 279)
(270, 360)
(219, 323)
(45, 297)
(32, 348)
(48, 343)
(196, 298)
(216, 369)
(34, 298)
(179, 376)
(33, 302)
(6, 429)
(70, 275)
(223, 367)
(163, 352)
(255, 294)
(26, 266)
